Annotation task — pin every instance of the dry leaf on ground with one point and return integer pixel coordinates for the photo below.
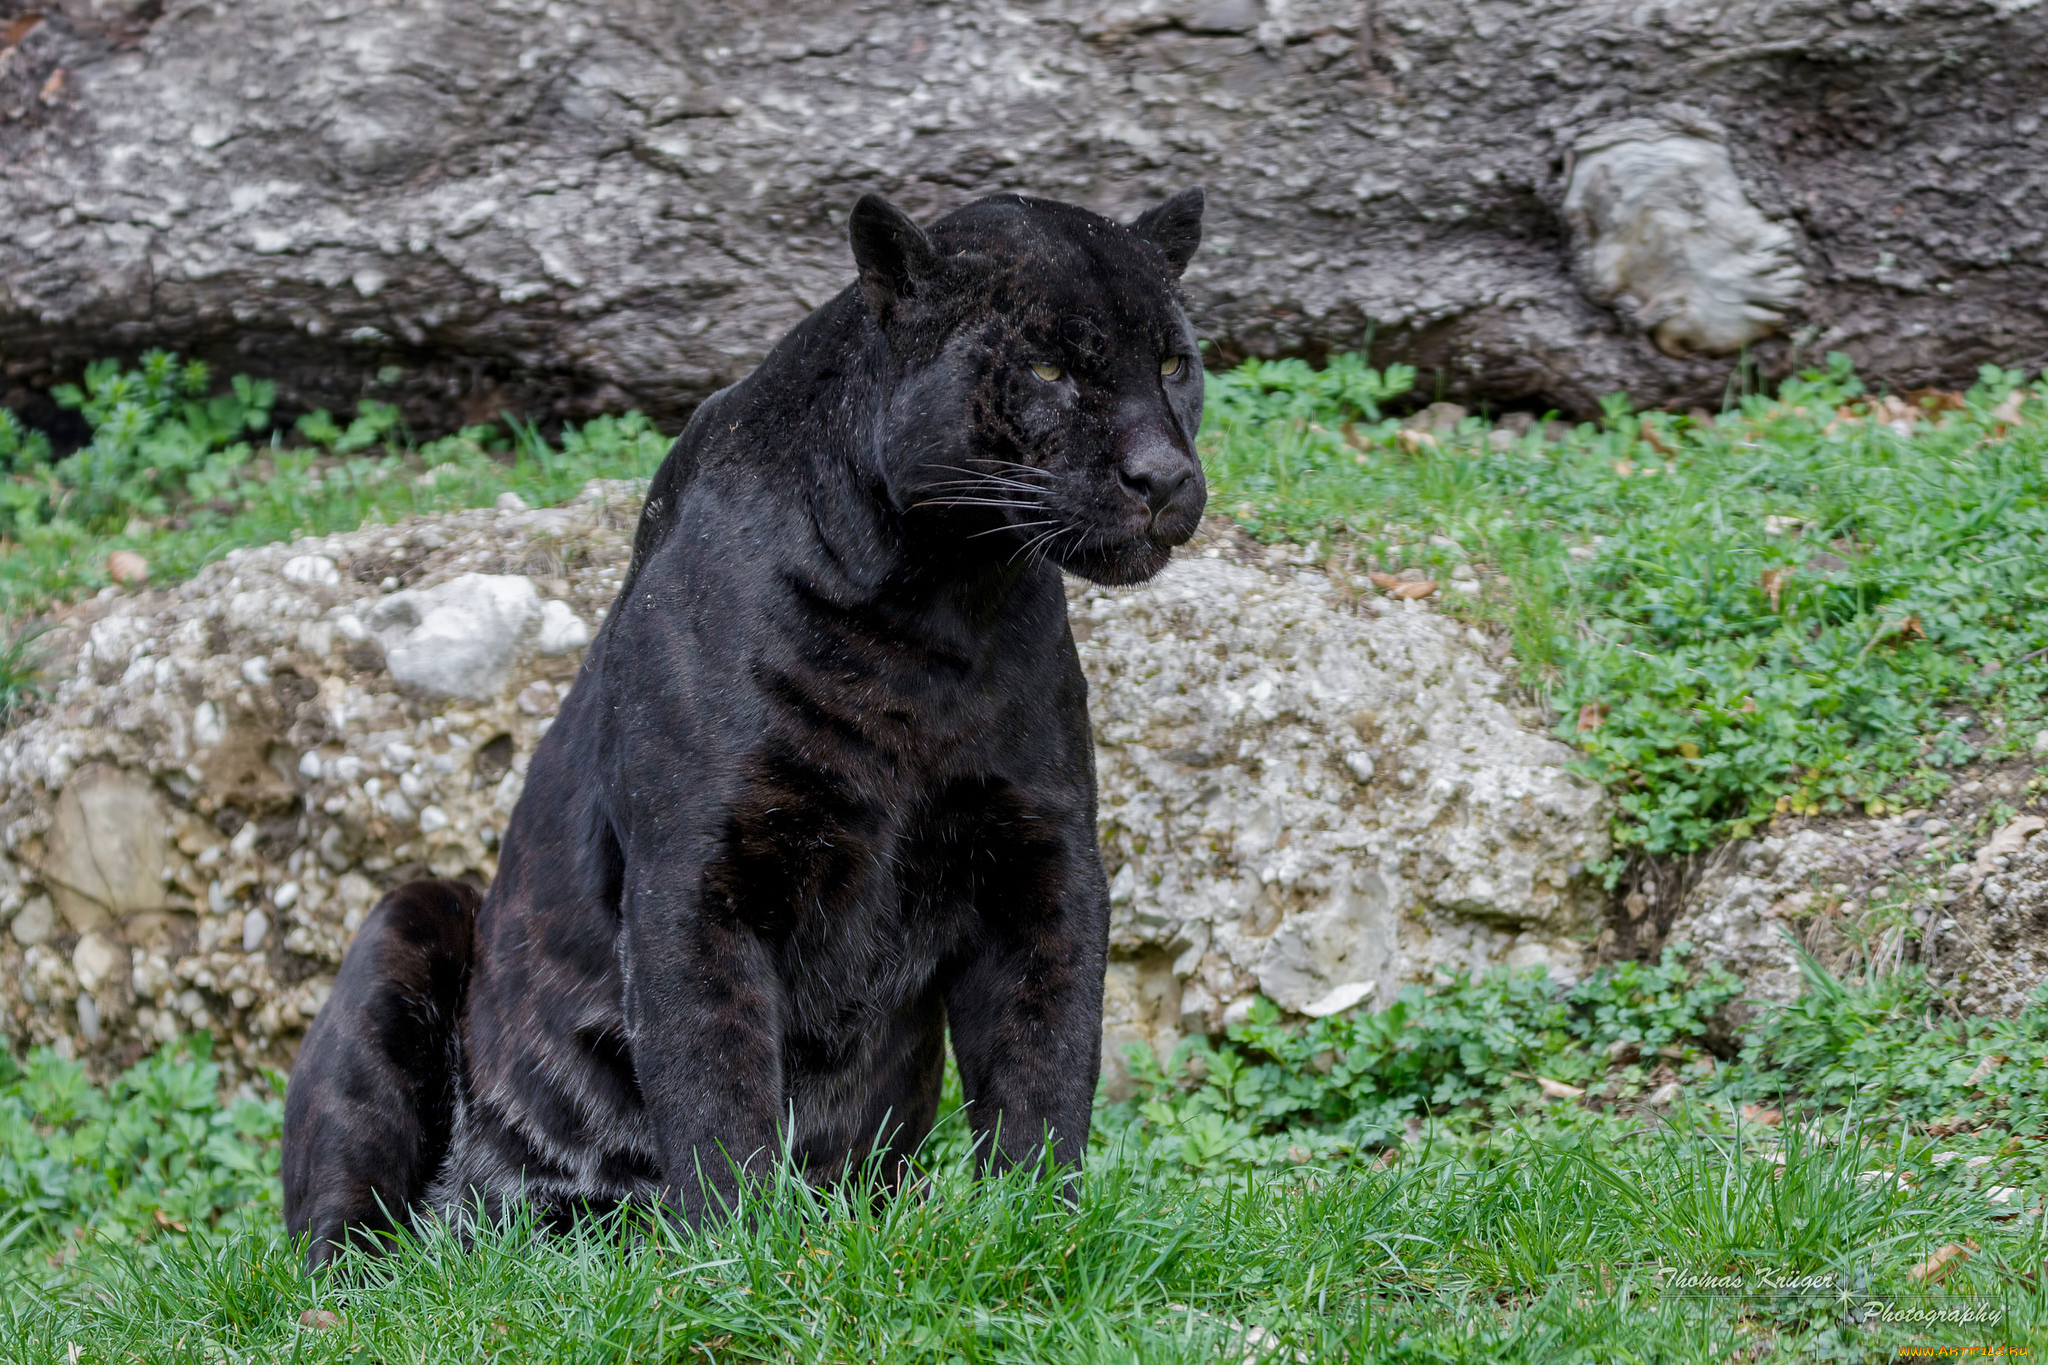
(126, 566)
(1936, 1267)
(2010, 839)
(1774, 585)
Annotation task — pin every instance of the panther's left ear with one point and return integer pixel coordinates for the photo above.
(1175, 227)
(894, 256)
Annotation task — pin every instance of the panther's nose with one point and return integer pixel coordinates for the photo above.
(1154, 473)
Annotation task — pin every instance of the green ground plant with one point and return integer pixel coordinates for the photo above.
(181, 475)
(153, 1152)
(1472, 1050)
(1811, 602)
(142, 1221)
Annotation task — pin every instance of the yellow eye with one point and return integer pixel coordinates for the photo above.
(1170, 366)
(1049, 373)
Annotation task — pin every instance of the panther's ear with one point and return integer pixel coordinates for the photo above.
(894, 256)
(1175, 227)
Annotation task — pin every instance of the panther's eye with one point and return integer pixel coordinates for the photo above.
(1050, 373)
(1170, 366)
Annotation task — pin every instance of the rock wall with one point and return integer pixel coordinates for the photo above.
(1308, 790)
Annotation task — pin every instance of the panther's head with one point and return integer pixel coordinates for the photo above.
(1046, 386)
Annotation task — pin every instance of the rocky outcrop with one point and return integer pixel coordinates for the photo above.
(1317, 795)
(1308, 790)
(1960, 888)
(230, 771)
(570, 206)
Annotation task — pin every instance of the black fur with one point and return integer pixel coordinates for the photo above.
(824, 788)
(371, 1104)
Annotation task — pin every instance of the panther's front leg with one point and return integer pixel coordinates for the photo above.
(704, 1011)
(1024, 1004)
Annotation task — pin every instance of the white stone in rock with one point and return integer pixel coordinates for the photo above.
(208, 727)
(1123, 885)
(309, 765)
(461, 638)
(1360, 763)
(88, 1018)
(1337, 1001)
(561, 629)
(256, 671)
(255, 928)
(97, 959)
(106, 847)
(312, 571)
(433, 818)
(36, 922)
(509, 501)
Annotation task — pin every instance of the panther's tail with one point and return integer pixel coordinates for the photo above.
(368, 1113)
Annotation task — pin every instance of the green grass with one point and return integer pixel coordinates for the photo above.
(182, 477)
(1553, 1252)
(141, 1223)
(1790, 607)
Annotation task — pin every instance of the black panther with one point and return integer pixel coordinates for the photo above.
(824, 789)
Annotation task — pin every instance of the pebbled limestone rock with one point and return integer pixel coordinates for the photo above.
(1319, 798)
(1921, 886)
(1305, 792)
(230, 770)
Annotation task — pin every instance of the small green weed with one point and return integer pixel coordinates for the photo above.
(1884, 1048)
(21, 673)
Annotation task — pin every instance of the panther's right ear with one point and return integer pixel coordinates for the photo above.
(894, 256)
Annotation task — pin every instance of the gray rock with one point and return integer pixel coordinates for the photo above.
(1311, 800)
(97, 960)
(35, 922)
(313, 571)
(561, 629)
